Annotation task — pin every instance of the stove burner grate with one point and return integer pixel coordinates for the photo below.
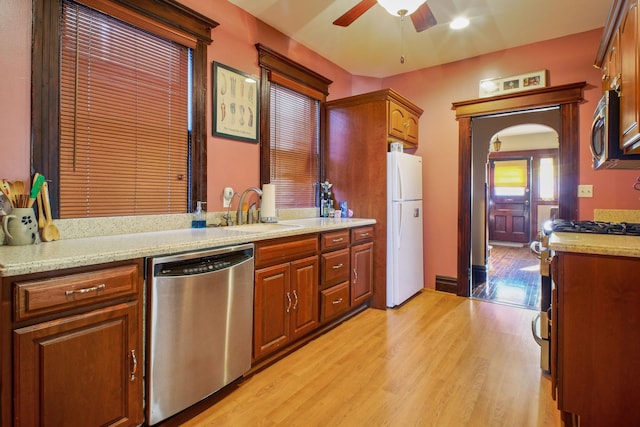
(595, 227)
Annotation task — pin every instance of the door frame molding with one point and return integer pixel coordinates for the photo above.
(567, 98)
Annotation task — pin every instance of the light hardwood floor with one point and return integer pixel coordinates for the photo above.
(439, 360)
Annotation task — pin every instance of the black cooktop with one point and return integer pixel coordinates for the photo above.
(595, 227)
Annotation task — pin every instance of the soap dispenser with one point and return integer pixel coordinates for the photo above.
(199, 216)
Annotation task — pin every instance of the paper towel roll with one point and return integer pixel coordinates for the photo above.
(268, 203)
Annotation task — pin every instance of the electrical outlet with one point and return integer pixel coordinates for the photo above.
(585, 190)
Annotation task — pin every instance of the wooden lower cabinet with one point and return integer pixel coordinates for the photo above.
(361, 273)
(80, 370)
(285, 304)
(596, 339)
(72, 352)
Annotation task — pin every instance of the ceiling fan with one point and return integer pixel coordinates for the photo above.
(419, 11)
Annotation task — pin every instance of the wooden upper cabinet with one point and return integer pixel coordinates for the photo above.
(403, 124)
(618, 59)
(629, 111)
(380, 110)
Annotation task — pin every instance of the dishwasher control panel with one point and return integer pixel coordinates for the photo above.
(205, 264)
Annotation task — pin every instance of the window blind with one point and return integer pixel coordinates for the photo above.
(510, 173)
(123, 118)
(294, 146)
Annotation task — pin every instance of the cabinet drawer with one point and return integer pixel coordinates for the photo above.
(334, 240)
(44, 296)
(334, 301)
(334, 268)
(361, 234)
(285, 250)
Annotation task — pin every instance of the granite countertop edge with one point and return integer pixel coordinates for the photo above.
(596, 244)
(69, 253)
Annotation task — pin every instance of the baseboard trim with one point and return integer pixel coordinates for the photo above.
(478, 274)
(447, 284)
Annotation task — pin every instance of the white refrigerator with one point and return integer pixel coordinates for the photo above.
(405, 271)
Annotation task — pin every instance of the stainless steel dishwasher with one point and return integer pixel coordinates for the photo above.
(200, 324)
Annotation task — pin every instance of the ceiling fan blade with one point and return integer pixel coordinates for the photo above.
(422, 18)
(354, 13)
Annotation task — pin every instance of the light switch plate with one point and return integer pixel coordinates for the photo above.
(585, 190)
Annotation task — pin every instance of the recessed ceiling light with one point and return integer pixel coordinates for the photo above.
(459, 23)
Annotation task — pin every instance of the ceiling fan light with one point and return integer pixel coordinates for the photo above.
(395, 6)
(459, 23)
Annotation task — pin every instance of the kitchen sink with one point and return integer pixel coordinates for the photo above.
(263, 227)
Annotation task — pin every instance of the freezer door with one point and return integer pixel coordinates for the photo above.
(405, 271)
(404, 181)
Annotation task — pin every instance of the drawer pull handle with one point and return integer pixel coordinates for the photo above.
(134, 367)
(85, 290)
(364, 235)
(338, 240)
(337, 301)
(337, 266)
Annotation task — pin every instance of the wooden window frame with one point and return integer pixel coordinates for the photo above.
(300, 79)
(164, 17)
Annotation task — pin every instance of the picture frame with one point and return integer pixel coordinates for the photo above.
(504, 85)
(236, 104)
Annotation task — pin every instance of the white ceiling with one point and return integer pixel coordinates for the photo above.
(372, 45)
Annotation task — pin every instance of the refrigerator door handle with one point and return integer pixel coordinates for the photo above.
(399, 175)
(399, 225)
(416, 213)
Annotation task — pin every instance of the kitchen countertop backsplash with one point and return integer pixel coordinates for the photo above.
(78, 228)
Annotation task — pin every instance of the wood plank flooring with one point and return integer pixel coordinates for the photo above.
(514, 277)
(438, 360)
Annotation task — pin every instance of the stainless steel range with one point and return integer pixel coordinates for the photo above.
(541, 324)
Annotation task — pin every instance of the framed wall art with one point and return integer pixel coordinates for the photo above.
(504, 85)
(235, 104)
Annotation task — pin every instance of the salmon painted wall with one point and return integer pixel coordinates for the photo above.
(569, 60)
(236, 163)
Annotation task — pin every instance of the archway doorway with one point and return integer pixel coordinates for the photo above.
(566, 99)
(520, 176)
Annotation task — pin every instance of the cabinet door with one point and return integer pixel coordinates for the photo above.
(628, 33)
(403, 124)
(361, 273)
(82, 370)
(611, 67)
(598, 338)
(271, 306)
(304, 292)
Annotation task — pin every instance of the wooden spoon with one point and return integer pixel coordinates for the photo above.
(40, 212)
(50, 232)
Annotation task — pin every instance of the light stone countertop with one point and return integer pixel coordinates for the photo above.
(67, 253)
(597, 244)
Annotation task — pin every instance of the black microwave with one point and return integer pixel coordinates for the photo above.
(605, 136)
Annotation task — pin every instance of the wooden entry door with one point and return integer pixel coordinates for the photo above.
(509, 200)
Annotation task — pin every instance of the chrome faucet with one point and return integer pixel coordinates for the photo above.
(241, 202)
